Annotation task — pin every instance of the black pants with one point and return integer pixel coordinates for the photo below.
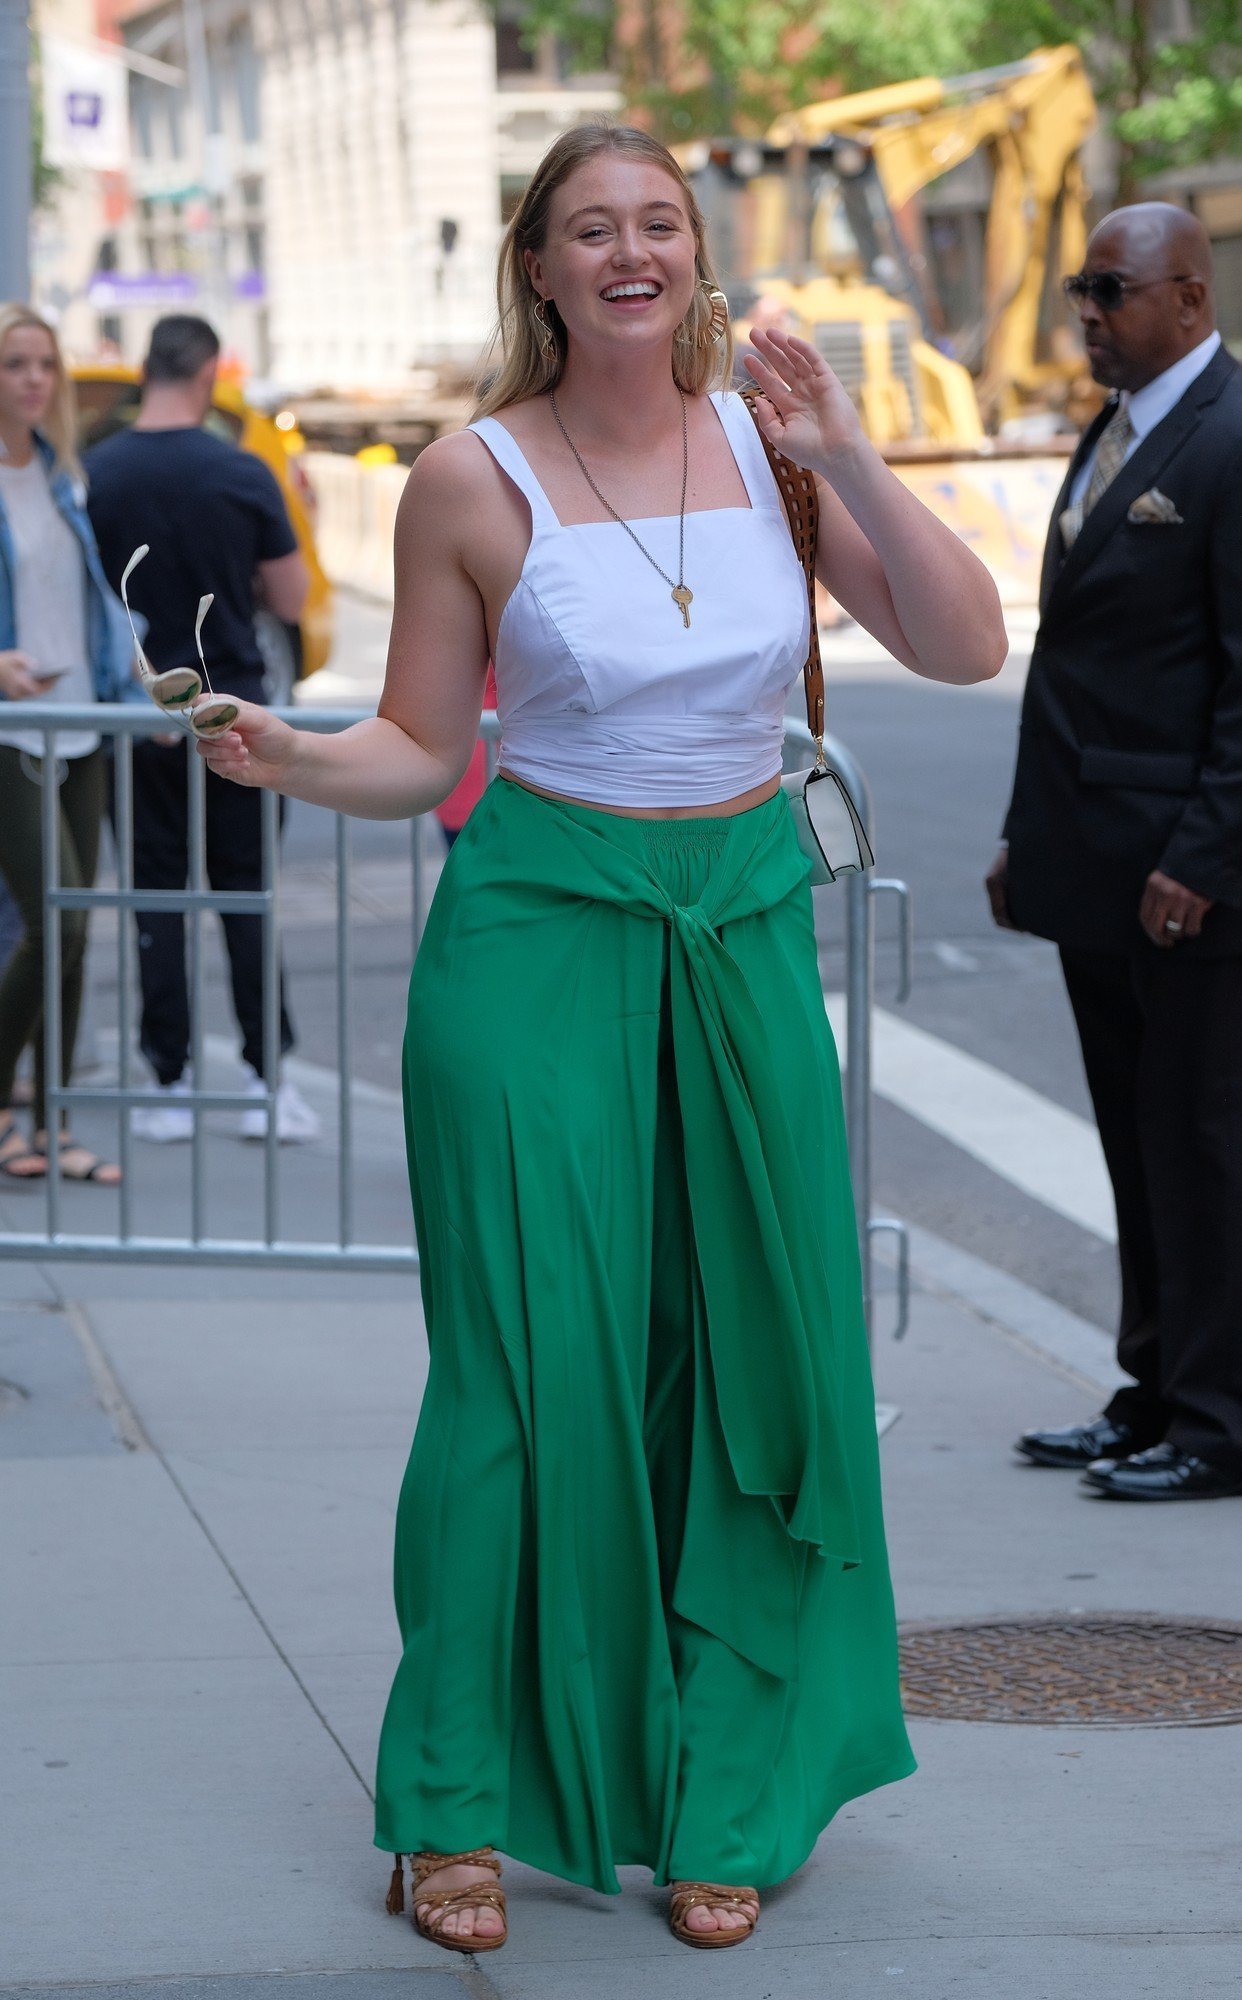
(79, 813)
(162, 861)
(1161, 1036)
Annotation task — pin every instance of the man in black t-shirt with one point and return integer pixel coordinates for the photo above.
(214, 519)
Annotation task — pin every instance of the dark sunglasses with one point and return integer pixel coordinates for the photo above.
(1108, 289)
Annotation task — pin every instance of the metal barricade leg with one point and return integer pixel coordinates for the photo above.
(861, 893)
(859, 989)
(197, 809)
(270, 835)
(345, 1125)
(54, 1082)
(123, 827)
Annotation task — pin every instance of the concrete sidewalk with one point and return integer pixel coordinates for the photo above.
(197, 1478)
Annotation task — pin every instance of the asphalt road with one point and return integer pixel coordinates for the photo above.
(939, 761)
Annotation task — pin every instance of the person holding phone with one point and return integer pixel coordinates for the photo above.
(62, 639)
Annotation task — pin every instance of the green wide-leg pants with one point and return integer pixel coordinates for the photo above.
(640, 1566)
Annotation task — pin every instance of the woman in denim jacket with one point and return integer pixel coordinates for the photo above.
(62, 638)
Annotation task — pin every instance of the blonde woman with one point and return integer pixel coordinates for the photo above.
(62, 639)
(641, 1575)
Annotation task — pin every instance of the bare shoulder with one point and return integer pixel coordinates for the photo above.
(450, 483)
(451, 469)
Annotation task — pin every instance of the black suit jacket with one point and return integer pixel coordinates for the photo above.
(1130, 751)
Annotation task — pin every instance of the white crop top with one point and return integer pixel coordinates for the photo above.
(602, 693)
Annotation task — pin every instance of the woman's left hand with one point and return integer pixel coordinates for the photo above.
(806, 414)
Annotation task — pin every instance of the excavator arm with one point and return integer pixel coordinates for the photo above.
(1033, 116)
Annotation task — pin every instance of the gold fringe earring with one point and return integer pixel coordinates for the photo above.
(718, 317)
(718, 321)
(547, 338)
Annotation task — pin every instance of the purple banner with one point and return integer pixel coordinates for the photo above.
(112, 291)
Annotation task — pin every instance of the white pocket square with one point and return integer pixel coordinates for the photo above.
(1154, 509)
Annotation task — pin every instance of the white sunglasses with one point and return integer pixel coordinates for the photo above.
(177, 690)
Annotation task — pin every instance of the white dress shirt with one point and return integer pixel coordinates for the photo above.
(1151, 404)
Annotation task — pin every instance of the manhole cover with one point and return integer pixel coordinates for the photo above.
(1102, 1671)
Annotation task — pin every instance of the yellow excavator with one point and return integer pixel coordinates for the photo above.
(939, 307)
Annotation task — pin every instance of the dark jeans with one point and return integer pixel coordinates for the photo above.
(162, 861)
(11, 925)
(1162, 1048)
(80, 811)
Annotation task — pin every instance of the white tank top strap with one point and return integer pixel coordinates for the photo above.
(752, 459)
(509, 455)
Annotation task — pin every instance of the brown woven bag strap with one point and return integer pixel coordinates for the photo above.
(802, 506)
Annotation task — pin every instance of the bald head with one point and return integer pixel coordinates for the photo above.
(1155, 234)
(1163, 257)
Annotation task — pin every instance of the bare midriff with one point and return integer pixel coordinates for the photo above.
(723, 809)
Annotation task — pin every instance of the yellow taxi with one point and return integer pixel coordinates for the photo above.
(108, 396)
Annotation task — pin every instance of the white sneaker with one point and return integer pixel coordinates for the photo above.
(167, 1122)
(296, 1123)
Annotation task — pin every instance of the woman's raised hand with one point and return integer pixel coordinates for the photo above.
(257, 751)
(806, 413)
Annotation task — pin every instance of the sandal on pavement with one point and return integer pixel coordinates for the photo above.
(685, 1897)
(431, 1906)
(77, 1163)
(19, 1160)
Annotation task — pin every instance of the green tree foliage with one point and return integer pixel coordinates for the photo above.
(710, 65)
(1169, 100)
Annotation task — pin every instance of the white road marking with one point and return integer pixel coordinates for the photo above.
(1032, 1143)
(954, 957)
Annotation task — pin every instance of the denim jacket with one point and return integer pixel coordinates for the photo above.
(108, 640)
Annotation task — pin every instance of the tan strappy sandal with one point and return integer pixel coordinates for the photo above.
(439, 1902)
(687, 1894)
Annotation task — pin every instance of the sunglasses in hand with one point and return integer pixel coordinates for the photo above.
(178, 691)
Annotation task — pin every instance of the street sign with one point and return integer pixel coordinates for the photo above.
(85, 106)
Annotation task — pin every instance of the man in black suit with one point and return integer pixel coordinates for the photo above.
(1124, 842)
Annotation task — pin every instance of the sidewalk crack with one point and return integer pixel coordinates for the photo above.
(79, 1319)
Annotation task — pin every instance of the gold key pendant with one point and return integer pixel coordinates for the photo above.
(683, 598)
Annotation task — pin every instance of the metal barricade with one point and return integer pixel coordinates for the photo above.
(269, 1249)
(861, 895)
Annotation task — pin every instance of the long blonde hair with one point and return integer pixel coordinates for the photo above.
(699, 362)
(60, 426)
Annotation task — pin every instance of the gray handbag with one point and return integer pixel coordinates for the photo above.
(826, 821)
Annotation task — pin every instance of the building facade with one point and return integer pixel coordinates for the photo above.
(193, 236)
(396, 136)
(326, 180)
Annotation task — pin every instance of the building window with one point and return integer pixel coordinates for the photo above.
(514, 55)
(174, 106)
(512, 188)
(140, 88)
(245, 66)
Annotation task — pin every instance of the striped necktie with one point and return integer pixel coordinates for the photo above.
(1110, 456)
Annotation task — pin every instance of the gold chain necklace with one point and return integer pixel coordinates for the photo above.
(683, 597)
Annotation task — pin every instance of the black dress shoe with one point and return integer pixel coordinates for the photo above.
(1163, 1473)
(1079, 1445)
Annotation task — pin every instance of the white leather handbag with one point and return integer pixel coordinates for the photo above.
(829, 830)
